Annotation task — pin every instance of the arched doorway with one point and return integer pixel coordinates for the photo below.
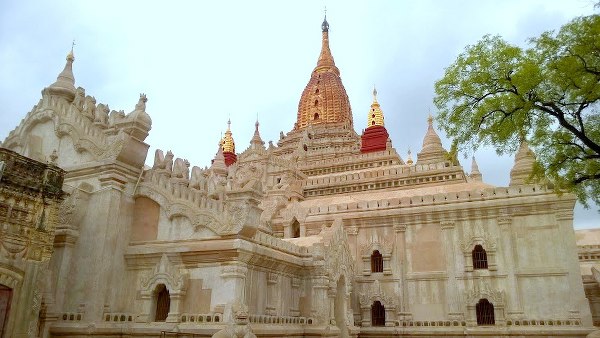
(377, 314)
(5, 299)
(485, 312)
(163, 303)
(340, 307)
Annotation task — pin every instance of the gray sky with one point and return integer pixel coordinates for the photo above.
(202, 62)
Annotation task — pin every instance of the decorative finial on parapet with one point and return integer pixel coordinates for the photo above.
(409, 159)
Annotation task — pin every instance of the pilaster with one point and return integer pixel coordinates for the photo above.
(515, 309)
(272, 293)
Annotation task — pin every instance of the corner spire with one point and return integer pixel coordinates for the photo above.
(228, 146)
(432, 150)
(65, 81)
(375, 117)
(256, 142)
(475, 173)
(524, 163)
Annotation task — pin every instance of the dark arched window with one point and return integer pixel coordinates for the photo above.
(163, 303)
(485, 312)
(295, 229)
(377, 314)
(316, 116)
(479, 258)
(376, 262)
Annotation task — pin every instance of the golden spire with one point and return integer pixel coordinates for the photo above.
(324, 99)
(375, 117)
(409, 160)
(325, 62)
(227, 143)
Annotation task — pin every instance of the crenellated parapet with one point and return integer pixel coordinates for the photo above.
(416, 200)
(378, 178)
(88, 127)
(207, 198)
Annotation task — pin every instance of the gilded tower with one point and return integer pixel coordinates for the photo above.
(228, 146)
(375, 137)
(324, 100)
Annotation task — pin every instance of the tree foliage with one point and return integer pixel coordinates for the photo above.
(496, 93)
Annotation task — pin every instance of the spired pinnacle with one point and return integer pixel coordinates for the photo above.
(256, 142)
(324, 99)
(375, 117)
(523, 167)
(432, 150)
(325, 62)
(475, 173)
(228, 146)
(65, 81)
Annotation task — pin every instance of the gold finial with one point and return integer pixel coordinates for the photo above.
(430, 118)
(409, 160)
(374, 94)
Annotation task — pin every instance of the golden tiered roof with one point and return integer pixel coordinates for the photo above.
(227, 143)
(324, 100)
(375, 117)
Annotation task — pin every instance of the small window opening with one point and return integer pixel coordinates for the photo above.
(316, 102)
(479, 258)
(376, 261)
(316, 117)
(372, 123)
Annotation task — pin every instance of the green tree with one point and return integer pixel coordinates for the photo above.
(496, 93)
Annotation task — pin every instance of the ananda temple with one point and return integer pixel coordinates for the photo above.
(324, 233)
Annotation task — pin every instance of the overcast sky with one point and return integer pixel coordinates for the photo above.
(202, 62)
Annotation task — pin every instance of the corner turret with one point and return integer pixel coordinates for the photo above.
(256, 142)
(375, 137)
(475, 173)
(523, 167)
(432, 150)
(228, 146)
(64, 86)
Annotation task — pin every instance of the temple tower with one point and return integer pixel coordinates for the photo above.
(375, 137)
(324, 100)
(228, 146)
